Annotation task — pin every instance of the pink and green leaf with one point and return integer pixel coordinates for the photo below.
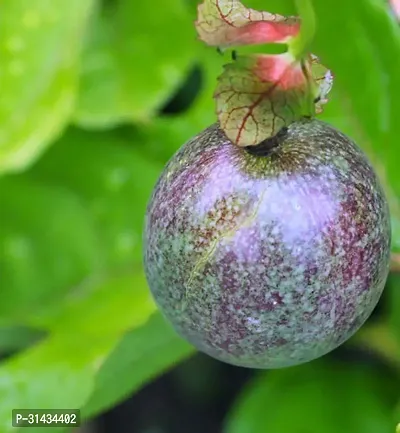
(257, 95)
(226, 23)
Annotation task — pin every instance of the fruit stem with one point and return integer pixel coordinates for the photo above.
(266, 146)
(299, 46)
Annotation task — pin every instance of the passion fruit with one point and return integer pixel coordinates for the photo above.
(270, 258)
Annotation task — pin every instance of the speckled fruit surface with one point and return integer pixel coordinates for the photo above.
(268, 261)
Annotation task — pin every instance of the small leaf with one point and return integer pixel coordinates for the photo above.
(40, 44)
(227, 23)
(258, 96)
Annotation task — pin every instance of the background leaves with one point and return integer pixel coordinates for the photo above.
(131, 62)
(132, 83)
(141, 355)
(40, 43)
(319, 397)
(366, 81)
(90, 290)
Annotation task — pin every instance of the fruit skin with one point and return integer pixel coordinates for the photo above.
(268, 262)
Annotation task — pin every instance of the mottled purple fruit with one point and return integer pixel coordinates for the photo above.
(268, 261)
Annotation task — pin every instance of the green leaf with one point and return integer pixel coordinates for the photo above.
(137, 54)
(314, 398)
(121, 302)
(87, 224)
(93, 213)
(40, 45)
(365, 59)
(141, 355)
(224, 23)
(15, 338)
(47, 245)
(113, 180)
(60, 372)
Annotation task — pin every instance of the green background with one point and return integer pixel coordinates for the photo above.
(95, 97)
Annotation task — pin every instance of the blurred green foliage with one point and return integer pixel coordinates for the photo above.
(87, 81)
(315, 397)
(40, 52)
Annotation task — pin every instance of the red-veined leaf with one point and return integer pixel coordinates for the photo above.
(258, 95)
(227, 23)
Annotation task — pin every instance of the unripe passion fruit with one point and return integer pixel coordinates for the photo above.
(268, 261)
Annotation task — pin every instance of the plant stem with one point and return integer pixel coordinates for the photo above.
(395, 262)
(380, 339)
(299, 46)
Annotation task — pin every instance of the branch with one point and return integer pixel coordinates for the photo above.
(395, 262)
